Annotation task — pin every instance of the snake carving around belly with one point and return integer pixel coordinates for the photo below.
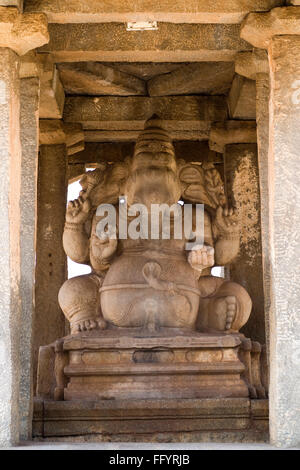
(152, 271)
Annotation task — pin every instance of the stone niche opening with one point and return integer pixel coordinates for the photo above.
(206, 387)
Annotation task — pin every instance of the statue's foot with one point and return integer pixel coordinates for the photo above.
(89, 325)
(225, 309)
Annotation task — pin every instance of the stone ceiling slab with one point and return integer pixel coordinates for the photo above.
(145, 70)
(213, 78)
(93, 78)
(188, 113)
(179, 11)
(171, 43)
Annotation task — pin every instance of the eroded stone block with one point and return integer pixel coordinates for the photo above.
(242, 99)
(89, 78)
(22, 32)
(207, 78)
(171, 43)
(197, 11)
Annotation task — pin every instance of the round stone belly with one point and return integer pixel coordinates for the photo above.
(139, 290)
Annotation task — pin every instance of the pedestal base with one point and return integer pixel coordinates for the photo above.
(199, 420)
(130, 365)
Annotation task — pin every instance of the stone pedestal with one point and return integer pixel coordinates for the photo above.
(167, 386)
(130, 365)
(185, 420)
(189, 366)
(242, 184)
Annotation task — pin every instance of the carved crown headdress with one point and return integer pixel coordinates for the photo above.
(154, 137)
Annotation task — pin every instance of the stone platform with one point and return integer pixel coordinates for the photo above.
(136, 386)
(133, 365)
(185, 420)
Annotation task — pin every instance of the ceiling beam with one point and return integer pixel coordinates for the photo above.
(129, 136)
(179, 11)
(212, 78)
(170, 43)
(110, 118)
(92, 78)
(118, 151)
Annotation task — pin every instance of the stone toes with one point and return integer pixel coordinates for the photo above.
(102, 324)
(93, 324)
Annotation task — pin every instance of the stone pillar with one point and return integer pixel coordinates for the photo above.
(57, 141)
(14, 41)
(237, 140)
(242, 183)
(10, 311)
(29, 120)
(279, 33)
(51, 268)
(254, 66)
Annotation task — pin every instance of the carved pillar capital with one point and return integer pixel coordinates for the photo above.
(252, 65)
(259, 28)
(22, 32)
(55, 132)
(231, 132)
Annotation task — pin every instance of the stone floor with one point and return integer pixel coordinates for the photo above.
(143, 446)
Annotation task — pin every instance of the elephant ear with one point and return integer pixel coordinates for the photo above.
(202, 184)
(110, 185)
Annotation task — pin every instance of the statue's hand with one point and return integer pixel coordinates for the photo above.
(106, 242)
(226, 222)
(201, 257)
(78, 211)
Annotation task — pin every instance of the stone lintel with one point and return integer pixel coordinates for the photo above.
(259, 28)
(131, 136)
(22, 32)
(170, 43)
(231, 132)
(114, 113)
(180, 11)
(252, 64)
(55, 132)
(118, 151)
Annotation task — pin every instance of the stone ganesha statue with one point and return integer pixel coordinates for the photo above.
(152, 283)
